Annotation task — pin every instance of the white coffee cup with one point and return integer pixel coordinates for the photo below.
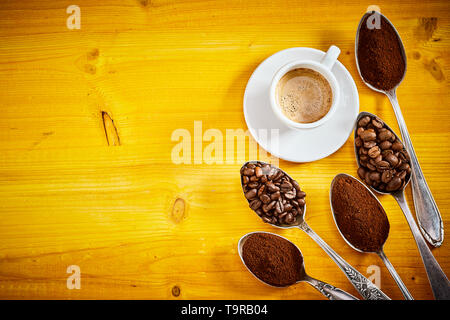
(324, 68)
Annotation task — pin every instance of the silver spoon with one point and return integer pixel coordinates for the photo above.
(427, 212)
(437, 278)
(364, 286)
(324, 288)
(379, 251)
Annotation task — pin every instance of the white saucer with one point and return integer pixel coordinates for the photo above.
(298, 145)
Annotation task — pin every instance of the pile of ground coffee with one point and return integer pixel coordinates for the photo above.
(358, 214)
(273, 259)
(380, 56)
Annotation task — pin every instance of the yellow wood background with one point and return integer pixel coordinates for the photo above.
(115, 204)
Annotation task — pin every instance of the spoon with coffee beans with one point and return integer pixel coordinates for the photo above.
(384, 165)
(278, 200)
(278, 262)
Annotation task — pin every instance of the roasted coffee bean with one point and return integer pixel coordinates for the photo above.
(368, 135)
(401, 174)
(296, 185)
(275, 195)
(301, 194)
(387, 175)
(288, 207)
(253, 185)
(258, 172)
(383, 161)
(286, 186)
(289, 218)
(364, 157)
(378, 159)
(385, 145)
(367, 177)
(394, 184)
(279, 207)
(261, 190)
(278, 175)
(405, 167)
(377, 123)
(397, 146)
(374, 152)
(386, 152)
(393, 160)
(272, 187)
(375, 176)
(361, 173)
(291, 194)
(364, 121)
(265, 198)
(273, 173)
(251, 194)
(281, 216)
(370, 144)
(269, 206)
(267, 219)
(255, 204)
(383, 165)
(271, 193)
(385, 135)
(404, 155)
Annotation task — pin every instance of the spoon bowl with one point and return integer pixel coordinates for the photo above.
(407, 178)
(241, 243)
(326, 289)
(402, 49)
(299, 219)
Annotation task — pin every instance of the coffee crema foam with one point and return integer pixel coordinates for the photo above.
(304, 95)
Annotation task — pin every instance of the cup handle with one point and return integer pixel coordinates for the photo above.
(330, 57)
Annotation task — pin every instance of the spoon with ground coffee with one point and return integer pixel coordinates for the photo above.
(361, 220)
(278, 200)
(384, 165)
(278, 262)
(381, 63)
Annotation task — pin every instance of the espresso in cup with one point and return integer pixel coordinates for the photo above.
(304, 95)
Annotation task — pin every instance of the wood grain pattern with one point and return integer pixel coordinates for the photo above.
(106, 196)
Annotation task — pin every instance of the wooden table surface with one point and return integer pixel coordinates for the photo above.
(87, 174)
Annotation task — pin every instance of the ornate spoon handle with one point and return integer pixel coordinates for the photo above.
(436, 276)
(427, 212)
(364, 286)
(328, 290)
